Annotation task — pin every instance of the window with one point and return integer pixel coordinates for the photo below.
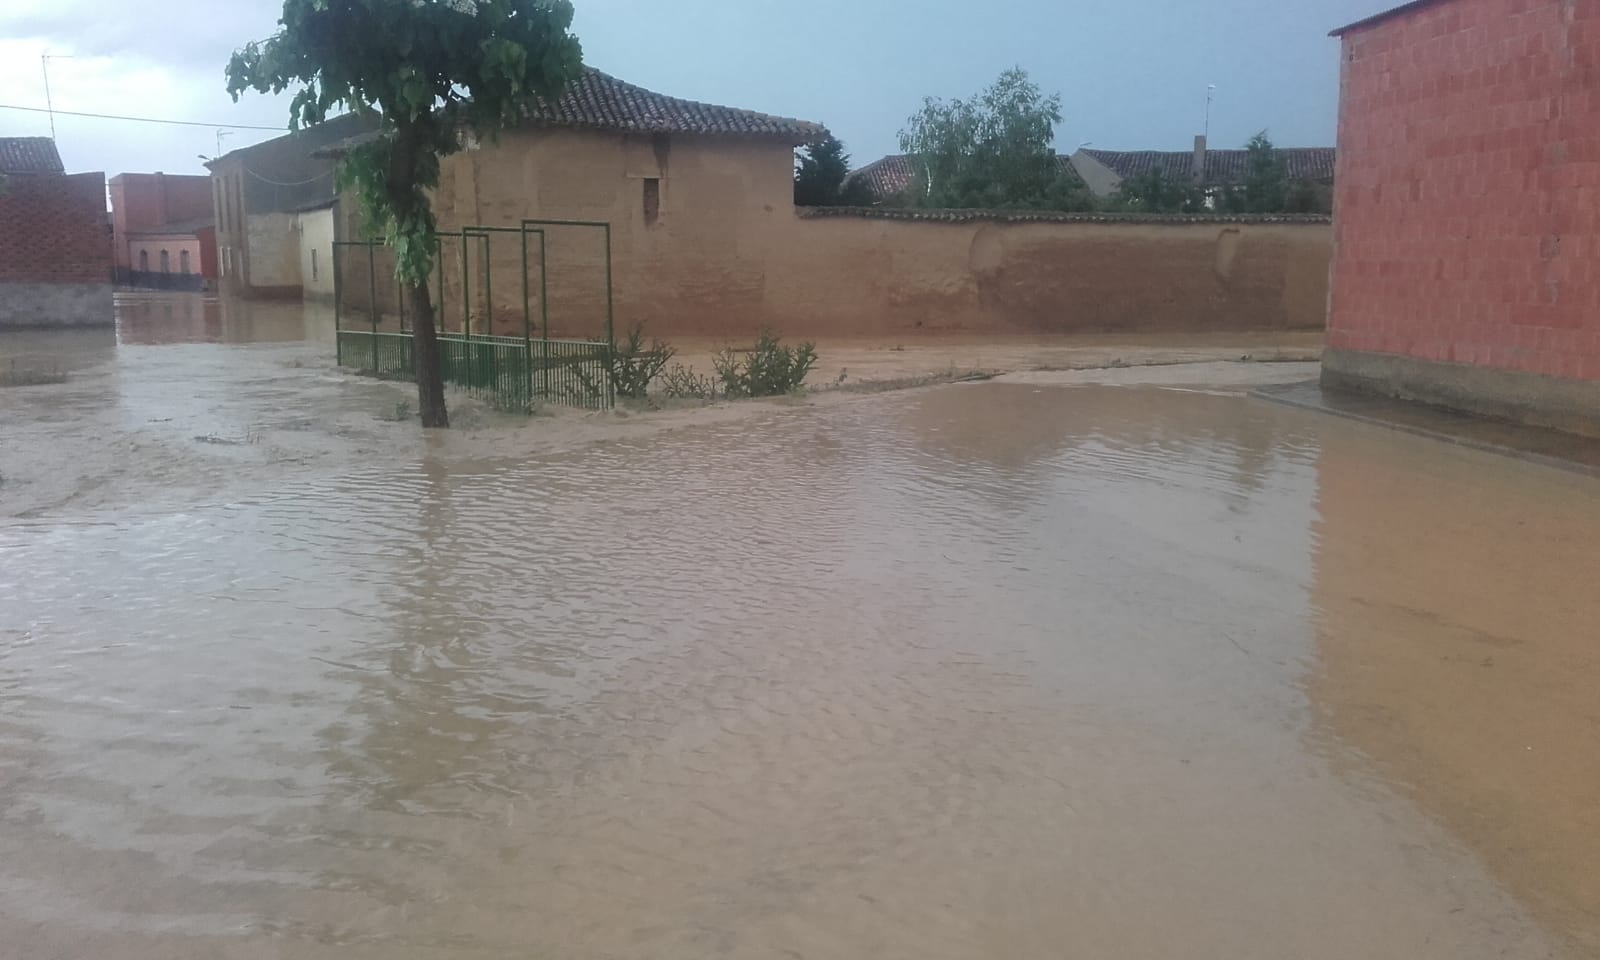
(313, 263)
(144, 261)
(652, 200)
(183, 262)
(165, 267)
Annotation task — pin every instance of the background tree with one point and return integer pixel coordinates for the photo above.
(429, 70)
(1154, 192)
(995, 150)
(1266, 181)
(820, 172)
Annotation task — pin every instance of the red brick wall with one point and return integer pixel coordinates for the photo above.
(1467, 198)
(53, 229)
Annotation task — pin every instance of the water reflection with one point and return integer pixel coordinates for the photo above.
(207, 318)
(973, 672)
(1458, 612)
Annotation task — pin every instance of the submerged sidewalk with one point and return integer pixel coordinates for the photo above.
(1554, 448)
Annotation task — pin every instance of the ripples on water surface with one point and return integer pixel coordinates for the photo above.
(990, 671)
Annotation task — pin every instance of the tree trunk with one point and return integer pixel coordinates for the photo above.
(425, 356)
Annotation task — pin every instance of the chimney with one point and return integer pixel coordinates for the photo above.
(1198, 167)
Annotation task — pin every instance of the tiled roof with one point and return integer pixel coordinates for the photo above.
(29, 155)
(1052, 216)
(891, 175)
(1223, 167)
(599, 101)
(602, 101)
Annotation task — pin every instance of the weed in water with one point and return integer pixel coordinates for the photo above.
(631, 367)
(769, 369)
(682, 383)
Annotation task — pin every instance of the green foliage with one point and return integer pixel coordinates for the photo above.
(1266, 182)
(820, 176)
(1155, 192)
(1308, 196)
(682, 383)
(430, 70)
(769, 369)
(993, 151)
(631, 367)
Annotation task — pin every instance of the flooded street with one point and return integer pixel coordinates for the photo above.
(1049, 667)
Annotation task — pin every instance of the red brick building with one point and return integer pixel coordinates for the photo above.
(162, 234)
(1467, 209)
(55, 240)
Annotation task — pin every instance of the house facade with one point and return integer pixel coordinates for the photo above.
(1466, 218)
(55, 239)
(162, 231)
(263, 198)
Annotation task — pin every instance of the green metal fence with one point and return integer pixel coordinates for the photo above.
(514, 373)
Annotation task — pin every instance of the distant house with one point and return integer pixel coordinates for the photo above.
(888, 178)
(697, 197)
(267, 200)
(162, 231)
(55, 244)
(1104, 170)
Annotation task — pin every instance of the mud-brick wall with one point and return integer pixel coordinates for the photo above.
(896, 273)
(1468, 208)
(55, 251)
(706, 241)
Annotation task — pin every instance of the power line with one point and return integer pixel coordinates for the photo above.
(112, 116)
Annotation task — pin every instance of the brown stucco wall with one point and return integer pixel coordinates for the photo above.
(727, 254)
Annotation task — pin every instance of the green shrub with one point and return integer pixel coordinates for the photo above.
(682, 383)
(631, 368)
(769, 369)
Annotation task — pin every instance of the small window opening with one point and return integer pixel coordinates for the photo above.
(313, 263)
(183, 262)
(652, 200)
(144, 261)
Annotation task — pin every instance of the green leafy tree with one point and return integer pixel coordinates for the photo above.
(1266, 181)
(431, 70)
(1154, 192)
(821, 176)
(995, 150)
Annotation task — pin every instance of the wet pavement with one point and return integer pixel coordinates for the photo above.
(1011, 669)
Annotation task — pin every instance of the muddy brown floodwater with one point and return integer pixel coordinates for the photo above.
(1121, 666)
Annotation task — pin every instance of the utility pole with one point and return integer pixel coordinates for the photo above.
(44, 65)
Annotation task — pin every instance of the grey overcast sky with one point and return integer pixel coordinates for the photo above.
(1132, 74)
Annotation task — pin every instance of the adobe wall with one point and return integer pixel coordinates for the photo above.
(706, 241)
(1466, 223)
(726, 253)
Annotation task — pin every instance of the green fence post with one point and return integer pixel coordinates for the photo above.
(527, 325)
(338, 294)
(466, 293)
(372, 295)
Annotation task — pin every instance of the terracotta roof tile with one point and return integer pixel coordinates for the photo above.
(29, 155)
(599, 100)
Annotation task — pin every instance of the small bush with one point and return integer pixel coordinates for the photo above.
(682, 383)
(631, 367)
(769, 369)
(16, 376)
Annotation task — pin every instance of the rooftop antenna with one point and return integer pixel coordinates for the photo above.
(44, 65)
(1211, 90)
(220, 134)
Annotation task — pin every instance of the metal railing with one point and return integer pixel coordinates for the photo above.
(513, 372)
